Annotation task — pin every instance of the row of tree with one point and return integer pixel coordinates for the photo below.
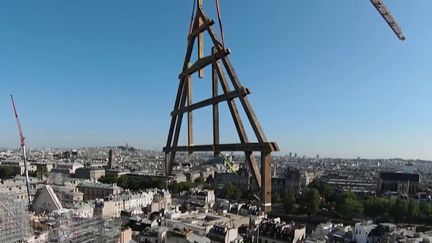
(398, 209)
(134, 183)
(175, 187)
(348, 205)
(142, 183)
(6, 172)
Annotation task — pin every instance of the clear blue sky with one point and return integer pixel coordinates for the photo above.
(327, 77)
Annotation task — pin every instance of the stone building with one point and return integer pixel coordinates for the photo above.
(93, 190)
(404, 184)
(92, 173)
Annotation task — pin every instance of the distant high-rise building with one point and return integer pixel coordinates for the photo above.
(409, 168)
(290, 154)
(66, 155)
(74, 154)
(110, 159)
(295, 155)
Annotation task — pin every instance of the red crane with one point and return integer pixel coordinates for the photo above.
(22, 140)
(388, 17)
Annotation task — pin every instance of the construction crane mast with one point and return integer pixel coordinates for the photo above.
(388, 17)
(23, 148)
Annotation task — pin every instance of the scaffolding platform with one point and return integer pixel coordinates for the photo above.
(14, 219)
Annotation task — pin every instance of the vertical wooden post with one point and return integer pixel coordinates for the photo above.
(200, 40)
(215, 93)
(189, 102)
(178, 125)
(266, 181)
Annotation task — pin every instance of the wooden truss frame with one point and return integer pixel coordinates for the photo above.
(183, 104)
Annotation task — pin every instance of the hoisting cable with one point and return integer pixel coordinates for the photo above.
(220, 22)
(192, 17)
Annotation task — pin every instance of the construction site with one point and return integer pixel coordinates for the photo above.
(67, 228)
(14, 219)
(226, 88)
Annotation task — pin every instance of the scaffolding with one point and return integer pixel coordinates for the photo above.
(14, 219)
(68, 228)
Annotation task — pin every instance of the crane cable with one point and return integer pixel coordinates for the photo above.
(218, 16)
(220, 21)
(192, 16)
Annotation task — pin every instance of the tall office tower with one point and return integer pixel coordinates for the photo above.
(110, 159)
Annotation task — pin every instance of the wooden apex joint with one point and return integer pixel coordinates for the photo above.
(203, 27)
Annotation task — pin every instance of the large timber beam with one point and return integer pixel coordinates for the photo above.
(212, 101)
(203, 62)
(246, 147)
(215, 92)
(203, 27)
(241, 131)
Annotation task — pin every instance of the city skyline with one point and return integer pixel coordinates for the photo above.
(105, 73)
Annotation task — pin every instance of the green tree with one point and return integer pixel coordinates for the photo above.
(314, 184)
(185, 186)
(349, 206)
(122, 181)
(426, 209)
(378, 206)
(326, 192)
(159, 183)
(311, 201)
(41, 171)
(208, 186)
(199, 180)
(33, 173)
(400, 209)
(108, 179)
(413, 210)
(173, 187)
(141, 183)
(231, 192)
(6, 172)
(289, 201)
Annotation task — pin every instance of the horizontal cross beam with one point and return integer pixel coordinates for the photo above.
(203, 62)
(203, 27)
(212, 101)
(244, 147)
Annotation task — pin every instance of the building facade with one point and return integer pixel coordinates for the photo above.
(404, 184)
(93, 190)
